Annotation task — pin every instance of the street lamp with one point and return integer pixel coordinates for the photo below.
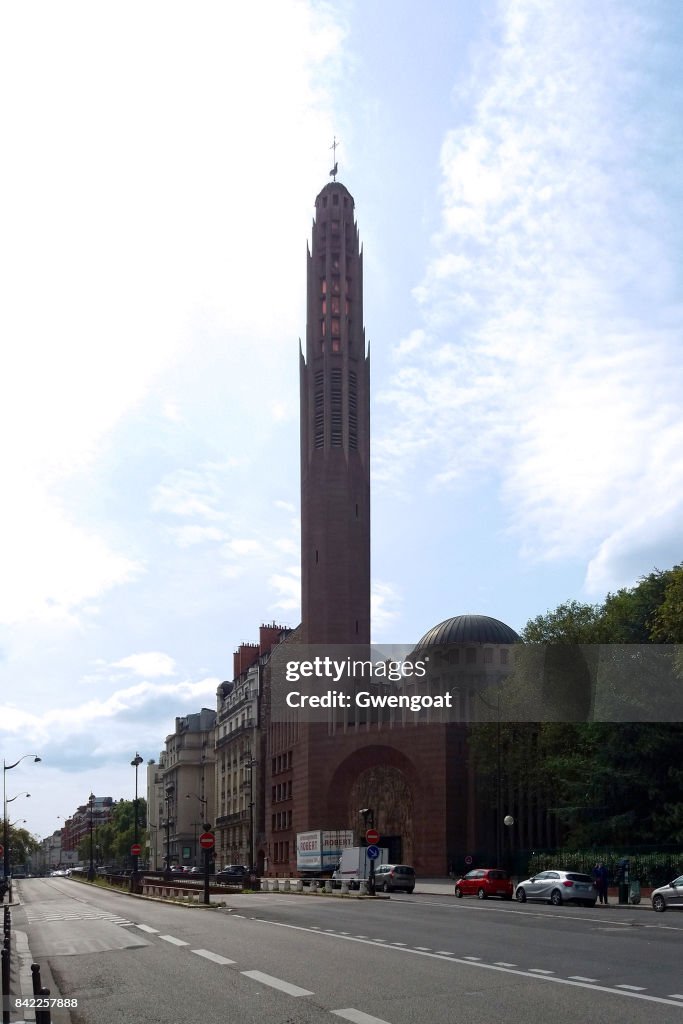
(91, 868)
(369, 819)
(206, 825)
(8, 768)
(251, 764)
(136, 762)
(167, 796)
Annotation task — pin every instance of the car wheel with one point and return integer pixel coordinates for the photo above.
(521, 895)
(385, 887)
(659, 903)
(458, 892)
(556, 898)
(481, 895)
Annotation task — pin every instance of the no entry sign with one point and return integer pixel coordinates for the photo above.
(206, 840)
(372, 836)
(135, 850)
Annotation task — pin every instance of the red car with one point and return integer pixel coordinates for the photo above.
(485, 882)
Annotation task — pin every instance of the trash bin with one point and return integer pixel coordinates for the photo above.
(634, 892)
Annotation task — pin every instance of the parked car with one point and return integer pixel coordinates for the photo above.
(233, 873)
(392, 877)
(485, 882)
(558, 887)
(668, 897)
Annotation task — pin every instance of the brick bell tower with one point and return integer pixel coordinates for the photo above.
(335, 432)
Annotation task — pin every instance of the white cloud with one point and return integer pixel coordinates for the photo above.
(287, 586)
(131, 238)
(385, 601)
(551, 348)
(150, 664)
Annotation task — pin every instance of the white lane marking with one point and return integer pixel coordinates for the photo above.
(631, 988)
(283, 986)
(379, 940)
(504, 963)
(398, 943)
(469, 957)
(676, 995)
(172, 939)
(580, 977)
(539, 970)
(440, 952)
(333, 930)
(241, 916)
(485, 967)
(423, 949)
(358, 1017)
(216, 957)
(147, 928)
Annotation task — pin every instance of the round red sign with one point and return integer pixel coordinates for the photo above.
(372, 836)
(206, 840)
(135, 850)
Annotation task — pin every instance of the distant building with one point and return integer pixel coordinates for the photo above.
(183, 797)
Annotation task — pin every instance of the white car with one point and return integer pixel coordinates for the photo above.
(668, 896)
(558, 888)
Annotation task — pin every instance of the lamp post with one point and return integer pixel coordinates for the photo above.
(135, 763)
(167, 796)
(8, 768)
(251, 764)
(91, 867)
(369, 820)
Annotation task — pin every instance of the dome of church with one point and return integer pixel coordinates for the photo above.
(468, 629)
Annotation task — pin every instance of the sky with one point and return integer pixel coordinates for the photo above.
(517, 167)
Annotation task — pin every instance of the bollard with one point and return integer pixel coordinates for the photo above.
(328, 885)
(5, 984)
(363, 887)
(299, 885)
(288, 885)
(345, 888)
(43, 1016)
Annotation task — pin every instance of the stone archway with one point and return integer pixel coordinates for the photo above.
(387, 791)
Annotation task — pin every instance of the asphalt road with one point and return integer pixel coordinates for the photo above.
(273, 958)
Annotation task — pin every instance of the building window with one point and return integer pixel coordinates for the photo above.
(335, 199)
(470, 656)
(503, 657)
(336, 407)
(353, 414)
(488, 655)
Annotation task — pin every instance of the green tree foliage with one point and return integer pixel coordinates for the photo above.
(607, 773)
(21, 844)
(112, 842)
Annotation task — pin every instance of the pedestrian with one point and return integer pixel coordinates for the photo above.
(601, 876)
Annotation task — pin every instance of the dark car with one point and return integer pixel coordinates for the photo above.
(485, 882)
(392, 877)
(236, 874)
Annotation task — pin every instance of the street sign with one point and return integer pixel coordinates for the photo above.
(372, 852)
(135, 850)
(207, 840)
(468, 860)
(372, 836)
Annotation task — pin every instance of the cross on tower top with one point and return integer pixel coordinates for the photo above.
(333, 147)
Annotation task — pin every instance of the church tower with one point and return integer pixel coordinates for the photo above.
(335, 432)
